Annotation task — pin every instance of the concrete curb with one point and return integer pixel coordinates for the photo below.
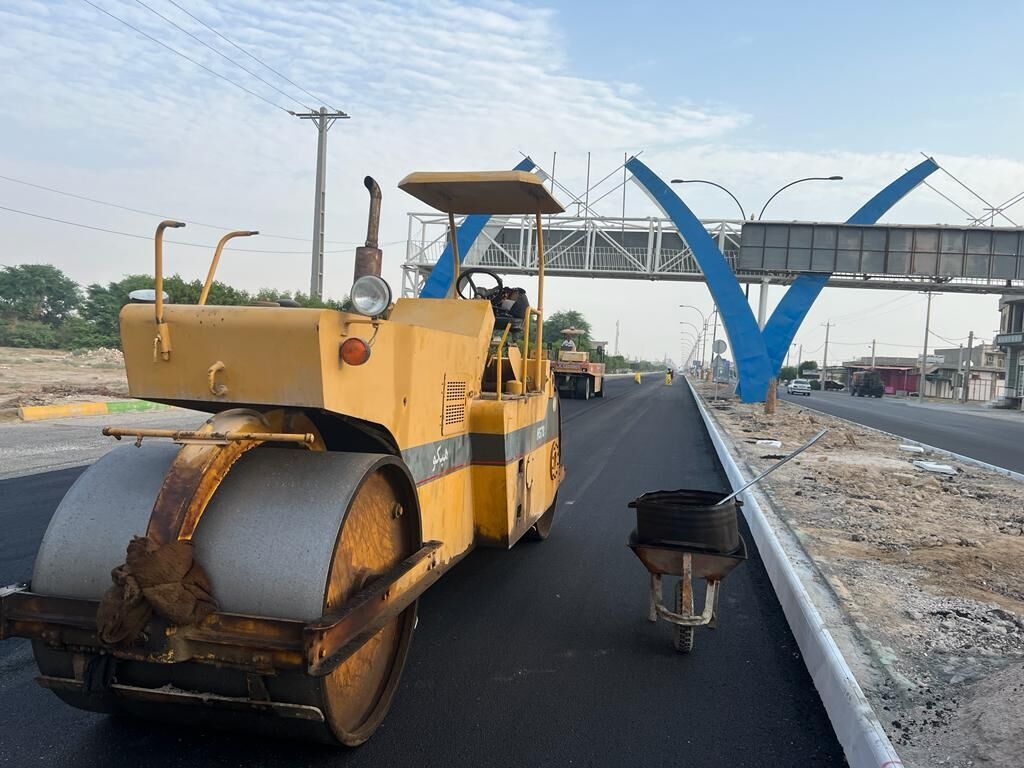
(857, 727)
(70, 410)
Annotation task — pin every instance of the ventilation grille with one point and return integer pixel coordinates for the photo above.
(453, 417)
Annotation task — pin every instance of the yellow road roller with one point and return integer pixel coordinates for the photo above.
(262, 570)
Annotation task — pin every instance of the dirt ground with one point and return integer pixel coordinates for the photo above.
(45, 376)
(928, 567)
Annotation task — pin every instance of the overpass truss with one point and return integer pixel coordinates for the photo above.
(651, 248)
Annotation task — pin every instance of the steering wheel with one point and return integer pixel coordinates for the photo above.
(466, 283)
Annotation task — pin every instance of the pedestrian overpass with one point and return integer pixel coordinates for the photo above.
(947, 259)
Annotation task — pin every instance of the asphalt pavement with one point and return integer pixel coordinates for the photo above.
(538, 656)
(994, 438)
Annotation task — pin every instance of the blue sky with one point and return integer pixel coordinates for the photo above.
(822, 75)
(749, 94)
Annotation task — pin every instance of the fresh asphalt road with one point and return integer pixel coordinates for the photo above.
(539, 656)
(995, 438)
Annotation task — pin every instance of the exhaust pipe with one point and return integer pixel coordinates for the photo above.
(368, 257)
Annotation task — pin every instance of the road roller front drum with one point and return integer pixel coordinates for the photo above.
(292, 537)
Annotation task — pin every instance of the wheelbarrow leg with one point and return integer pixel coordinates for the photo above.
(655, 596)
(714, 587)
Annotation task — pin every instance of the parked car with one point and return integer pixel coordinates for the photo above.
(799, 387)
(834, 386)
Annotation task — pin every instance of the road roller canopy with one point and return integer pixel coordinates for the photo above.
(487, 192)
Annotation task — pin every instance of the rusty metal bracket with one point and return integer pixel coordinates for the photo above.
(205, 458)
(171, 695)
(254, 644)
(333, 639)
(188, 436)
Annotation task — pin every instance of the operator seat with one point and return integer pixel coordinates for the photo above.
(510, 308)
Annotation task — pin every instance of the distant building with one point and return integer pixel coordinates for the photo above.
(984, 374)
(1011, 341)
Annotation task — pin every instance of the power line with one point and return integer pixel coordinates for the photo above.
(948, 341)
(142, 237)
(187, 57)
(235, 45)
(160, 215)
(860, 312)
(222, 55)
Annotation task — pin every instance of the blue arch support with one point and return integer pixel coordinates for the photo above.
(747, 344)
(781, 328)
(440, 278)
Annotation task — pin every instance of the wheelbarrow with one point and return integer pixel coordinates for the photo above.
(693, 535)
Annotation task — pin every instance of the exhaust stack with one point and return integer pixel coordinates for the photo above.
(368, 257)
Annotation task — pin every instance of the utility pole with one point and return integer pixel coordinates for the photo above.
(872, 354)
(824, 362)
(960, 369)
(924, 355)
(616, 337)
(323, 120)
(799, 360)
(967, 376)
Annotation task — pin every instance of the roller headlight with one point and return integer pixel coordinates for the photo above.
(370, 296)
(146, 296)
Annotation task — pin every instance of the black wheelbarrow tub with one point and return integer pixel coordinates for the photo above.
(691, 519)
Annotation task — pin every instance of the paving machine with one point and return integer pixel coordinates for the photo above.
(275, 553)
(576, 375)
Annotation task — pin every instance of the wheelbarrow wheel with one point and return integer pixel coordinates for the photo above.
(683, 638)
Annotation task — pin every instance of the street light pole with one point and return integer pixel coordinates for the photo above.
(792, 183)
(743, 215)
(703, 349)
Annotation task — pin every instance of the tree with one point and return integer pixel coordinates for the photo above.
(808, 365)
(103, 305)
(554, 325)
(37, 292)
(788, 373)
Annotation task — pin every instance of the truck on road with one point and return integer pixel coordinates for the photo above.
(866, 384)
(576, 375)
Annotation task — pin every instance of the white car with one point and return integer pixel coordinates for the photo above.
(799, 387)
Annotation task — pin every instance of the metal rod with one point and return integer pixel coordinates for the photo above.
(526, 349)
(454, 235)
(216, 261)
(775, 466)
(158, 277)
(189, 434)
(501, 348)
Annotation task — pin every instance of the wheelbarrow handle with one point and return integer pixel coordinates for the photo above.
(775, 466)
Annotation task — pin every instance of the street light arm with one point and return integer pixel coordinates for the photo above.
(743, 215)
(703, 319)
(798, 181)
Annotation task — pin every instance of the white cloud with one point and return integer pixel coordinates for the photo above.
(93, 107)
